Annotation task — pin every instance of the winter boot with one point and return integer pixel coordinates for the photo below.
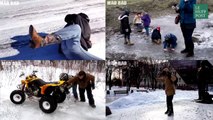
(190, 54)
(167, 111)
(170, 113)
(125, 41)
(35, 37)
(184, 51)
(129, 43)
(93, 105)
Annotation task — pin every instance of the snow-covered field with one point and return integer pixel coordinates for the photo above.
(48, 16)
(151, 106)
(30, 108)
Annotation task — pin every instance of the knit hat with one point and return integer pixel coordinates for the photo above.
(158, 28)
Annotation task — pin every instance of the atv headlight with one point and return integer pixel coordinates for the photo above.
(61, 89)
(20, 86)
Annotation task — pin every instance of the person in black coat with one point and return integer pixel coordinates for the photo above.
(203, 76)
(156, 36)
(125, 27)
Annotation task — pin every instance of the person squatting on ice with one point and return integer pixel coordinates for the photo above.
(125, 27)
(68, 37)
(168, 79)
(169, 42)
(156, 36)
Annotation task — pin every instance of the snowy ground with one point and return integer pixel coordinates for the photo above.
(48, 17)
(151, 106)
(145, 48)
(30, 108)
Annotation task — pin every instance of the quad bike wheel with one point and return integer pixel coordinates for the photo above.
(47, 104)
(59, 96)
(17, 97)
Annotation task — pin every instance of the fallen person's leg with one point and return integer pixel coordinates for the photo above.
(69, 37)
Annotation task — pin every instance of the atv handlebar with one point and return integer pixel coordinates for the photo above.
(33, 73)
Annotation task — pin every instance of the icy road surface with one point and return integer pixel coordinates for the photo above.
(145, 48)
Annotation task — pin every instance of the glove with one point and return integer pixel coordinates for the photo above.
(127, 30)
(175, 7)
(93, 85)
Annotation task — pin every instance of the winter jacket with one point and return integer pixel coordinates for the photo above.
(169, 85)
(88, 79)
(124, 27)
(156, 34)
(146, 20)
(137, 20)
(170, 39)
(186, 13)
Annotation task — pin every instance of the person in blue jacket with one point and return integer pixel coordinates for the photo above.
(170, 41)
(187, 24)
(69, 38)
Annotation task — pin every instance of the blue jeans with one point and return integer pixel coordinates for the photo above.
(168, 45)
(70, 44)
(147, 30)
(74, 91)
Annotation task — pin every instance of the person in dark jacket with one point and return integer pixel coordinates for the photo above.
(168, 79)
(156, 36)
(203, 76)
(187, 24)
(169, 42)
(125, 27)
(146, 22)
(69, 38)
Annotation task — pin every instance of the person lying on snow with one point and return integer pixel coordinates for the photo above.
(70, 37)
(170, 42)
(156, 36)
(86, 83)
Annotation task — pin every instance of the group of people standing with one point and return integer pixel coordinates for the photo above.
(143, 20)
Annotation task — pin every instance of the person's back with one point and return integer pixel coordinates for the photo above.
(186, 13)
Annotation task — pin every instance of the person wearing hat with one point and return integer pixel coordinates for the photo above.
(168, 79)
(86, 83)
(156, 36)
(125, 27)
(170, 41)
(66, 77)
(68, 37)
